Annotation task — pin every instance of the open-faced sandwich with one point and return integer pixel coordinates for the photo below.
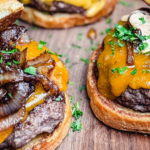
(65, 13)
(35, 112)
(118, 80)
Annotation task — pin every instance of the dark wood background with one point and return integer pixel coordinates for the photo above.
(94, 135)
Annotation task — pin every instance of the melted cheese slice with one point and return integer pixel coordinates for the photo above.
(92, 6)
(59, 75)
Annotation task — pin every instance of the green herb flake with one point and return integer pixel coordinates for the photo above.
(107, 30)
(70, 66)
(13, 44)
(82, 88)
(1, 59)
(76, 126)
(77, 106)
(86, 49)
(50, 36)
(143, 46)
(134, 72)
(8, 63)
(143, 70)
(102, 33)
(148, 71)
(71, 99)
(98, 64)
(67, 134)
(76, 46)
(16, 62)
(108, 20)
(76, 113)
(9, 94)
(86, 61)
(9, 52)
(31, 70)
(67, 60)
(93, 47)
(125, 4)
(143, 20)
(92, 42)
(71, 83)
(17, 22)
(41, 44)
(57, 99)
(113, 70)
(80, 36)
(68, 46)
(33, 28)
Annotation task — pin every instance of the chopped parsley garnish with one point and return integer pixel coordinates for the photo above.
(93, 47)
(107, 30)
(134, 72)
(76, 113)
(102, 33)
(9, 52)
(67, 60)
(76, 46)
(13, 44)
(71, 99)
(86, 49)
(17, 22)
(9, 94)
(143, 70)
(71, 83)
(70, 66)
(16, 62)
(108, 20)
(125, 3)
(80, 36)
(98, 64)
(143, 46)
(85, 60)
(77, 106)
(143, 20)
(82, 88)
(8, 63)
(1, 59)
(41, 44)
(119, 70)
(148, 71)
(33, 28)
(57, 99)
(52, 53)
(31, 70)
(76, 126)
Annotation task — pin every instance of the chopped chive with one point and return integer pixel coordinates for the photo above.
(33, 28)
(86, 49)
(76, 46)
(80, 36)
(92, 42)
(71, 99)
(31, 70)
(8, 63)
(77, 106)
(134, 72)
(93, 47)
(9, 52)
(71, 83)
(143, 70)
(9, 94)
(102, 33)
(50, 36)
(67, 60)
(86, 61)
(148, 71)
(57, 99)
(82, 88)
(41, 44)
(108, 20)
(143, 20)
(98, 64)
(107, 30)
(16, 62)
(1, 59)
(125, 4)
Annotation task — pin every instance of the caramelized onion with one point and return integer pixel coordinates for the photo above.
(11, 76)
(11, 120)
(19, 92)
(24, 39)
(23, 60)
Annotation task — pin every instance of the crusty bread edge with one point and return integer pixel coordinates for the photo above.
(64, 21)
(108, 111)
(52, 141)
(147, 1)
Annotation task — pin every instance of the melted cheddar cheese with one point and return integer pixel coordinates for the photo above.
(92, 6)
(112, 85)
(59, 75)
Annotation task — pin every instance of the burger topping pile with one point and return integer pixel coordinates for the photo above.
(125, 74)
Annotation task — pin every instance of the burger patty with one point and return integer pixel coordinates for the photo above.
(138, 100)
(57, 7)
(43, 118)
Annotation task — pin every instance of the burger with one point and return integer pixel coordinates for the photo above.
(35, 112)
(118, 80)
(65, 13)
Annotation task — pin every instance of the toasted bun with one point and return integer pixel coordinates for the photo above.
(147, 1)
(10, 10)
(108, 111)
(63, 20)
(52, 141)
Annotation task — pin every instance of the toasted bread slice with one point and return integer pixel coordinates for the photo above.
(10, 10)
(147, 1)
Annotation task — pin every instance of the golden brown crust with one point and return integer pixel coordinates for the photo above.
(63, 20)
(111, 113)
(52, 141)
(147, 1)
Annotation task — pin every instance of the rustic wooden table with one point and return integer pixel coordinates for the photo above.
(94, 135)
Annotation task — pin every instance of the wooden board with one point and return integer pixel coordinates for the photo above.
(94, 135)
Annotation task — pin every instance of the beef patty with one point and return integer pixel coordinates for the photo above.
(43, 118)
(57, 7)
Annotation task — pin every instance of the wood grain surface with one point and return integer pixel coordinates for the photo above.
(94, 135)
